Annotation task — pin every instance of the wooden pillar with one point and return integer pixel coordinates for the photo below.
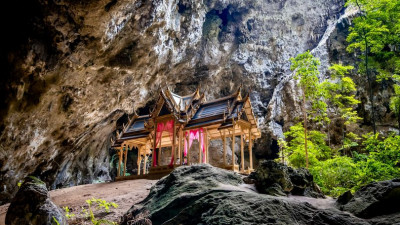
(144, 163)
(233, 146)
(206, 143)
(173, 152)
(155, 143)
(241, 153)
(119, 161)
(250, 149)
(139, 159)
(200, 146)
(188, 151)
(224, 146)
(159, 152)
(180, 146)
(126, 157)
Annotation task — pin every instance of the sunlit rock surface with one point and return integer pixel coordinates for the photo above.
(203, 194)
(75, 69)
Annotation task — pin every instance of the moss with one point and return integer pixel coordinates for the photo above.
(211, 26)
(36, 180)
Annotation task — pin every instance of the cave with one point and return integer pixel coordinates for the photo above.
(222, 23)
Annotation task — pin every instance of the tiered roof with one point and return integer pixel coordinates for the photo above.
(193, 111)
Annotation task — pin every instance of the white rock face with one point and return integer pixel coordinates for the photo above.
(104, 59)
(287, 92)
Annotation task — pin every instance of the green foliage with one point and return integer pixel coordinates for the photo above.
(56, 221)
(282, 153)
(340, 93)
(295, 151)
(68, 213)
(36, 180)
(350, 141)
(375, 33)
(335, 176)
(99, 204)
(93, 205)
(306, 71)
(305, 66)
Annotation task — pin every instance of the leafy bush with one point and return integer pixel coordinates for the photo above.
(378, 160)
(335, 176)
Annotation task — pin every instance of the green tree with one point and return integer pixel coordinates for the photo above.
(305, 67)
(375, 32)
(340, 93)
(295, 149)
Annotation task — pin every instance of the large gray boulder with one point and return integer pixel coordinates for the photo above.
(375, 199)
(202, 194)
(32, 206)
(277, 179)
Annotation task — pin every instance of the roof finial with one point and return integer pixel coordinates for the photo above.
(197, 92)
(239, 91)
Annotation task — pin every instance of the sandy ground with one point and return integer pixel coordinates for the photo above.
(124, 193)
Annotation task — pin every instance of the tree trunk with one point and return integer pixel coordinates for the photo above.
(305, 126)
(371, 96)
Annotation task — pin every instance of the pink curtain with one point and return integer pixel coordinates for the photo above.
(169, 127)
(196, 134)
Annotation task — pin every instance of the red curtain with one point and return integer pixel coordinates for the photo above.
(169, 127)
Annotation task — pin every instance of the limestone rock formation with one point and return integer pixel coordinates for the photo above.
(32, 206)
(203, 194)
(275, 179)
(375, 199)
(75, 70)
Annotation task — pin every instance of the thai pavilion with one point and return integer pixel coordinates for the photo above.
(182, 122)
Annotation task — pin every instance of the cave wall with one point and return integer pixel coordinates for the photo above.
(73, 71)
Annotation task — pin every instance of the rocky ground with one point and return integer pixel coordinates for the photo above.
(124, 193)
(202, 194)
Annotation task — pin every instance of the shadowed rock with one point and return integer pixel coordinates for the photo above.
(276, 178)
(32, 205)
(375, 199)
(202, 194)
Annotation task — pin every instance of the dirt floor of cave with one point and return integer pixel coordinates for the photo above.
(124, 193)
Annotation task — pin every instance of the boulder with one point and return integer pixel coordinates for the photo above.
(32, 205)
(202, 194)
(344, 198)
(303, 183)
(270, 175)
(375, 199)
